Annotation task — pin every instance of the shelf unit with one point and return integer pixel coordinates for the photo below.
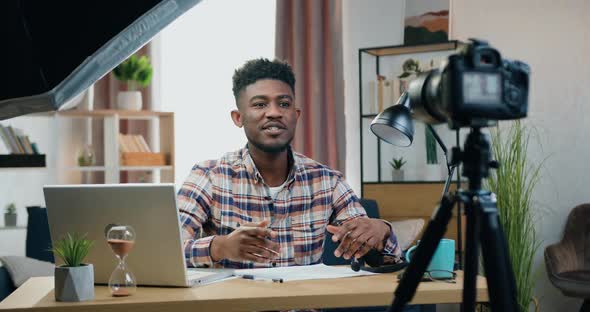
(385, 61)
(18, 227)
(161, 139)
(22, 161)
(416, 196)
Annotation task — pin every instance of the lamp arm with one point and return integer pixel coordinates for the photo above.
(438, 139)
(450, 168)
(449, 179)
(442, 146)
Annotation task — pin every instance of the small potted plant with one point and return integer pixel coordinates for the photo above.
(135, 72)
(10, 215)
(410, 67)
(396, 166)
(74, 280)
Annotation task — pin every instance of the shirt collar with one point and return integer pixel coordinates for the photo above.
(248, 163)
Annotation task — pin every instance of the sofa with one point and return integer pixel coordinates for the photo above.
(39, 258)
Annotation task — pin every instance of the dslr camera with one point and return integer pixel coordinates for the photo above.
(474, 88)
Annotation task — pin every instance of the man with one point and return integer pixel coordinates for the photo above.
(265, 204)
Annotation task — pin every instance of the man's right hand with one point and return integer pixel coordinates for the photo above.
(249, 242)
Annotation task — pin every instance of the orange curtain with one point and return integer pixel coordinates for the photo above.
(309, 37)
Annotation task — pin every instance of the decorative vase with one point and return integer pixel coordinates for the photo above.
(86, 156)
(129, 100)
(10, 219)
(397, 175)
(74, 283)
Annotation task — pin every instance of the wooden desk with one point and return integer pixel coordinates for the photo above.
(243, 295)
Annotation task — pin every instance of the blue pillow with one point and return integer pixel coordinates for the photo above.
(6, 284)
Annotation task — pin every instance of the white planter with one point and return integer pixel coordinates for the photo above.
(74, 283)
(10, 219)
(129, 100)
(397, 175)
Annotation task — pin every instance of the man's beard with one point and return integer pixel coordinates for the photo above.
(271, 149)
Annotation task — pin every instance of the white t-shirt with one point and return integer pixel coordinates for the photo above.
(275, 190)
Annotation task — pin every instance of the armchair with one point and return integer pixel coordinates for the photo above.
(568, 262)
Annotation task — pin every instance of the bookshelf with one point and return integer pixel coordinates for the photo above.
(112, 167)
(21, 152)
(22, 160)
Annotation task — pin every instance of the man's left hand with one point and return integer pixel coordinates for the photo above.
(358, 236)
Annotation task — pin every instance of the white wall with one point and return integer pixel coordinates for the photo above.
(24, 186)
(60, 139)
(199, 53)
(554, 38)
(364, 25)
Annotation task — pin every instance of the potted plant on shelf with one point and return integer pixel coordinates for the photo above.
(135, 72)
(10, 215)
(514, 182)
(410, 69)
(74, 280)
(397, 172)
(433, 168)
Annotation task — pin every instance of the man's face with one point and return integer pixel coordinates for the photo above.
(266, 110)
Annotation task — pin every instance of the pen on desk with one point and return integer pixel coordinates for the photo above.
(252, 277)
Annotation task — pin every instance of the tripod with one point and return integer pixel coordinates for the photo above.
(482, 226)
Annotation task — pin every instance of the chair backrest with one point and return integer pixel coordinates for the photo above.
(38, 245)
(328, 257)
(577, 233)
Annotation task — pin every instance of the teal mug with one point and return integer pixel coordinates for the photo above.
(443, 261)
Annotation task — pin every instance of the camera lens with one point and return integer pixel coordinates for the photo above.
(425, 96)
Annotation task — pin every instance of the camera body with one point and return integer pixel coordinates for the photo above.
(475, 88)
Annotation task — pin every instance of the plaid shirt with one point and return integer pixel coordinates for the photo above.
(219, 195)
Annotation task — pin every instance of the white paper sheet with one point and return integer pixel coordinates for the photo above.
(298, 273)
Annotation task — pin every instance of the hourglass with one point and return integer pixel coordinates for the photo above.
(122, 281)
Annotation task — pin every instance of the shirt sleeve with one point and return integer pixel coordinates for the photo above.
(391, 245)
(345, 204)
(347, 207)
(193, 201)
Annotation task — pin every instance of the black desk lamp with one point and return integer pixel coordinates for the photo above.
(395, 126)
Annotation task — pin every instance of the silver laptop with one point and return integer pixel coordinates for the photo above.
(157, 257)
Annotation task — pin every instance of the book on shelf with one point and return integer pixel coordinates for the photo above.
(16, 141)
(133, 143)
(143, 144)
(6, 140)
(123, 144)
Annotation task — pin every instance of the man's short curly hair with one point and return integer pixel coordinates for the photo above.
(262, 68)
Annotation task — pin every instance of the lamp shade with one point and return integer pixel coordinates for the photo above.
(394, 125)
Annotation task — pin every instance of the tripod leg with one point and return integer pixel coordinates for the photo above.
(471, 263)
(421, 259)
(499, 273)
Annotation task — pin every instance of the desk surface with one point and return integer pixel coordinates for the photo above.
(244, 295)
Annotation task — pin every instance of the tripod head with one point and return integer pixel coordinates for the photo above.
(476, 158)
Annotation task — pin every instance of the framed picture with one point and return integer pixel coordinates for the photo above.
(426, 21)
